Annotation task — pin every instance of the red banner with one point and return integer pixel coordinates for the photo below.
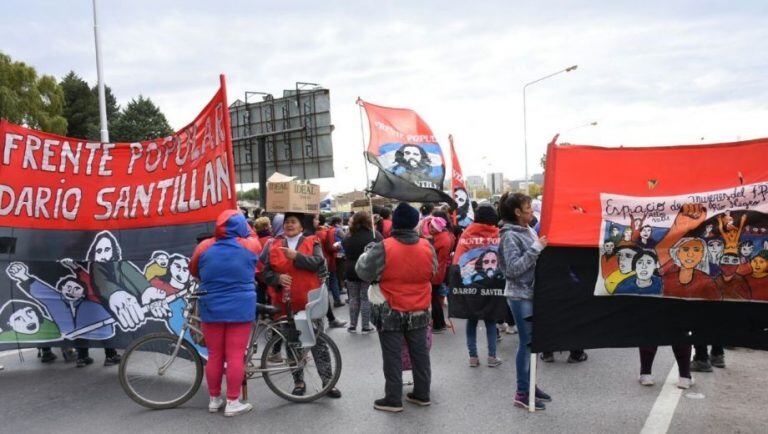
(576, 176)
(686, 222)
(54, 182)
(464, 214)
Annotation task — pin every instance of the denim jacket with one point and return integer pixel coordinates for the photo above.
(518, 249)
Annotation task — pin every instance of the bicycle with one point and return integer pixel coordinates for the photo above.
(164, 370)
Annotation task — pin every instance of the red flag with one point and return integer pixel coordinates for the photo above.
(464, 214)
(410, 161)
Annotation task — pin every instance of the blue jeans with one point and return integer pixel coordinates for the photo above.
(522, 309)
(333, 286)
(490, 332)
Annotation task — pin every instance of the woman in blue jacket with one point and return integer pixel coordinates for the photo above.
(226, 266)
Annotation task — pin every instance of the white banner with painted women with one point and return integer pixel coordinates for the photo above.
(704, 245)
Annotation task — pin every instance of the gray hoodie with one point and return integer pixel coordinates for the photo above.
(519, 248)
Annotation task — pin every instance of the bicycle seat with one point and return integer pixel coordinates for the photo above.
(267, 308)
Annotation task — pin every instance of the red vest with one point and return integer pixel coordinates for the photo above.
(303, 280)
(405, 281)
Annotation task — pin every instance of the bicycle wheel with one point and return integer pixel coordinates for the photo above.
(301, 364)
(141, 376)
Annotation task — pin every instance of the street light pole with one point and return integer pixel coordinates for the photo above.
(525, 118)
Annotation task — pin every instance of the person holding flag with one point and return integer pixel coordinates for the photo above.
(477, 282)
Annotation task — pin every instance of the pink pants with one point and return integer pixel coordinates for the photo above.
(226, 341)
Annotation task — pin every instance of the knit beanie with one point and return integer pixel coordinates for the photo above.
(486, 215)
(405, 217)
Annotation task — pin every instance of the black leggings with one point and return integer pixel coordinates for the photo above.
(682, 355)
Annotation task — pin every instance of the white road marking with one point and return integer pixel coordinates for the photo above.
(663, 410)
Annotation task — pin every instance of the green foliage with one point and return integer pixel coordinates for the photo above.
(534, 190)
(252, 194)
(28, 99)
(543, 161)
(81, 108)
(140, 120)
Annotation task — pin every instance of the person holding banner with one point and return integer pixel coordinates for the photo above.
(477, 283)
(519, 248)
(225, 266)
(403, 265)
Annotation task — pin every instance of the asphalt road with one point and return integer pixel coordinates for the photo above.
(599, 395)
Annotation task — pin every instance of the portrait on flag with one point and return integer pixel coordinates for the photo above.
(475, 277)
(409, 158)
(464, 214)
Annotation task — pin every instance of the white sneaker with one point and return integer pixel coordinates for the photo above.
(646, 380)
(216, 403)
(685, 383)
(511, 330)
(236, 407)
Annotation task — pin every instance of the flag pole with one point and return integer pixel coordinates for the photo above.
(365, 162)
(100, 78)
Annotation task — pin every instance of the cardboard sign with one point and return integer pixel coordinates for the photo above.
(286, 194)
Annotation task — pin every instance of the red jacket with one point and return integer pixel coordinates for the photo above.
(386, 228)
(443, 243)
(302, 282)
(327, 238)
(405, 281)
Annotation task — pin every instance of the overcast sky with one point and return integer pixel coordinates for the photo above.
(657, 73)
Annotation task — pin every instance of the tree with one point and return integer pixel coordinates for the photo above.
(543, 161)
(81, 108)
(534, 190)
(482, 193)
(252, 194)
(27, 99)
(140, 120)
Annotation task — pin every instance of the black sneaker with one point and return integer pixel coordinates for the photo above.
(334, 393)
(577, 357)
(112, 360)
(81, 363)
(384, 405)
(48, 357)
(410, 397)
(338, 303)
(718, 361)
(701, 366)
(543, 397)
(352, 329)
(366, 330)
(548, 357)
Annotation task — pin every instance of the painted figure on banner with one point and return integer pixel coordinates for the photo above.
(122, 287)
(66, 303)
(157, 265)
(80, 306)
(683, 249)
(24, 321)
